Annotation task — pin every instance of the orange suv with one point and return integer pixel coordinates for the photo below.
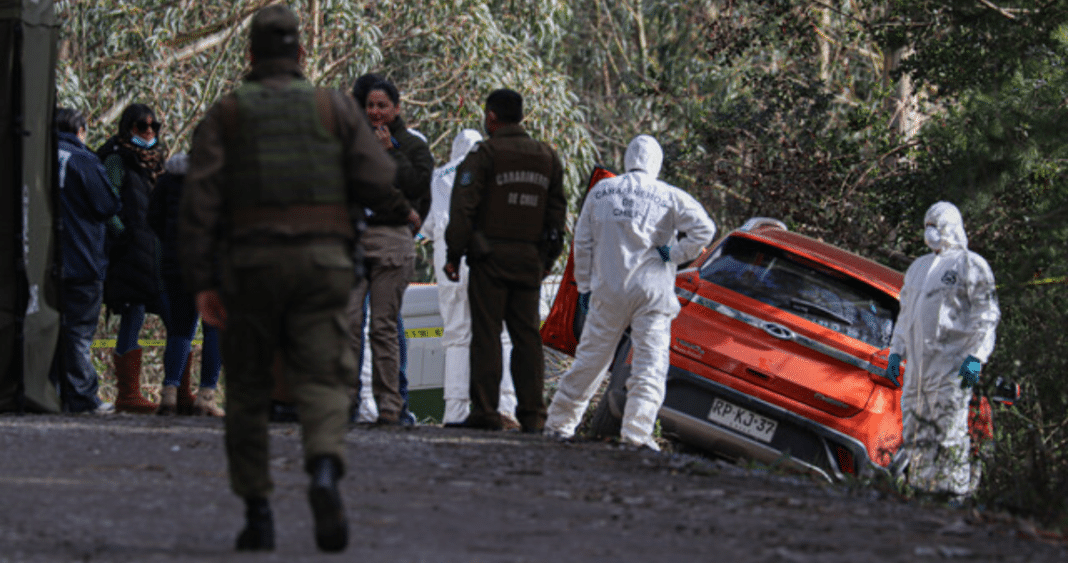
(777, 355)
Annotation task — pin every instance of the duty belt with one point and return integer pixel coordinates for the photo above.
(300, 221)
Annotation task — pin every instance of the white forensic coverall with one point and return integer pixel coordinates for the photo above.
(949, 310)
(623, 222)
(452, 297)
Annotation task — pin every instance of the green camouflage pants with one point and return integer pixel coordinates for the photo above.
(286, 299)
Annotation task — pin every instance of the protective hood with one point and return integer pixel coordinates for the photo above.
(178, 164)
(946, 218)
(463, 142)
(644, 154)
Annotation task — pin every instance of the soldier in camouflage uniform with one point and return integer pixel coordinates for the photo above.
(506, 215)
(276, 169)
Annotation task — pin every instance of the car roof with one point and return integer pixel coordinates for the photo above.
(878, 275)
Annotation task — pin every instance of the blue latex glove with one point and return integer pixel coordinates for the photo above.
(584, 303)
(969, 372)
(665, 252)
(893, 369)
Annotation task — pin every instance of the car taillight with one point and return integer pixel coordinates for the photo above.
(845, 460)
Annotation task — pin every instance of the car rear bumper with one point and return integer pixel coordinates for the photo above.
(798, 444)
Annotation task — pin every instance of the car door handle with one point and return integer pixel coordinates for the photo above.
(758, 374)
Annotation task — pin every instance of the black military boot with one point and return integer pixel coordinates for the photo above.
(258, 534)
(331, 526)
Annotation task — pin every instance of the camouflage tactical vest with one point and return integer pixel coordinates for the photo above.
(282, 154)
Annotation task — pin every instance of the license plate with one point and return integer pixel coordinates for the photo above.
(743, 420)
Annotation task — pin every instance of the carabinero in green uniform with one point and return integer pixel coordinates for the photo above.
(506, 215)
(276, 170)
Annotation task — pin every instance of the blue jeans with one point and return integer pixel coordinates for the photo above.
(72, 367)
(180, 317)
(132, 318)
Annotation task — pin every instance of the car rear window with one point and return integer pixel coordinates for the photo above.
(803, 288)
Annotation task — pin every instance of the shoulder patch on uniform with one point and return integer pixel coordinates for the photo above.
(466, 178)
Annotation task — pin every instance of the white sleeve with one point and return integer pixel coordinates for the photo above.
(438, 217)
(583, 246)
(899, 339)
(430, 226)
(984, 313)
(694, 222)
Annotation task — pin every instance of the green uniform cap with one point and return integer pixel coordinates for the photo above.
(274, 33)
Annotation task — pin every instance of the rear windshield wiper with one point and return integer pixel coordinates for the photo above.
(804, 306)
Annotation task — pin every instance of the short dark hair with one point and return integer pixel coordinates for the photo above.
(363, 86)
(386, 86)
(69, 120)
(506, 104)
(274, 34)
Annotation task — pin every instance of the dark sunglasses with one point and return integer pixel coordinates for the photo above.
(143, 125)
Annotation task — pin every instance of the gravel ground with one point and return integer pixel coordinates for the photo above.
(145, 488)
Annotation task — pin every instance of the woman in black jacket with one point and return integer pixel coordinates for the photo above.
(133, 159)
(179, 308)
(390, 251)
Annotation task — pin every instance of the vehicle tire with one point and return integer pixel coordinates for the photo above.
(608, 416)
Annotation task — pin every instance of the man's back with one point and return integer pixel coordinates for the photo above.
(88, 201)
(508, 190)
(276, 172)
(629, 217)
(261, 171)
(625, 220)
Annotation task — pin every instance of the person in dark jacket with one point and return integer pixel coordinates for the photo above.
(278, 169)
(88, 203)
(506, 215)
(133, 159)
(179, 308)
(390, 251)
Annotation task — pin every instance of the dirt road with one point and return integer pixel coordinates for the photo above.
(126, 488)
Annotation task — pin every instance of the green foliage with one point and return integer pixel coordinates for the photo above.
(782, 108)
(794, 136)
(1027, 471)
(1001, 155)
(179, 57)
(761, 116)
(962, 45)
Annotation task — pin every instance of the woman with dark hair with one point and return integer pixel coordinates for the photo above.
(389, 250)
(133, 159)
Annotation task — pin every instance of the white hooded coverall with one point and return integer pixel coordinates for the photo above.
(949, 310)
(452, 297)
(623, 221)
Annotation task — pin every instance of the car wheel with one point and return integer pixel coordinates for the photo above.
(608, 416)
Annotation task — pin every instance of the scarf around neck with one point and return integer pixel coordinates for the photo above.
(151, 160)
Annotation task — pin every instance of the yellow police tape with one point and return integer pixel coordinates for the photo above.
(110, 342)
(430, 332)
(1048, 281)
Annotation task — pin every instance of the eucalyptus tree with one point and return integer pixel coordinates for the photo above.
(776, 107)
(180, 55)
(999, 68)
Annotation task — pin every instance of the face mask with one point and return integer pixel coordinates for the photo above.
(143, 143)
(932, 237)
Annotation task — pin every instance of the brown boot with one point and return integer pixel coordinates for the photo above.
(128, 380)
(186, 399)
(168, 401)
(205, 403)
